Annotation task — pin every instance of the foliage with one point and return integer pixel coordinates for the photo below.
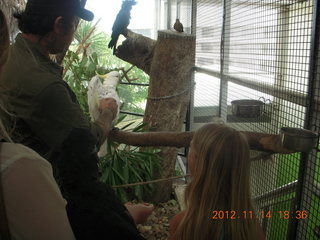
(126, 164)
(92, 57)
(81, 70)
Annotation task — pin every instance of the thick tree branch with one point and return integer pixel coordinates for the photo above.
(137, 50)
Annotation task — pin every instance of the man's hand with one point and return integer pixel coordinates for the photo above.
(108, 104)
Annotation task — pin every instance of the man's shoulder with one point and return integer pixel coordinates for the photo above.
(27, 74)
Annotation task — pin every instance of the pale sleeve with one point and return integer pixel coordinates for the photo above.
(35, 206)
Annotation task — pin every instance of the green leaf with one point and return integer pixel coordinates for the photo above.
(138, 192)
(126, 126)
(139, 127)
(92, 67)
(118, 174)
(135, 173)
(122, 194)
(95, 58)
(84, 62)
(120, 119)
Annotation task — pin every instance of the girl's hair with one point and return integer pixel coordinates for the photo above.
(4, 49)
(220, 182)
(41, 25)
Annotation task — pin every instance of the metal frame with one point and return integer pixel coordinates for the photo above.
(224, 59)
(306, 172)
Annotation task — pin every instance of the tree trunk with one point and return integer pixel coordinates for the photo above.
(9, 7)
(169, 96)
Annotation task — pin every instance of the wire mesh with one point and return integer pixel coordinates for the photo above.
(208, 29)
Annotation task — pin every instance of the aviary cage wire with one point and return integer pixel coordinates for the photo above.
(269, 51)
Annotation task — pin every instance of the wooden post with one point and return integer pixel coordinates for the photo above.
(169, 95)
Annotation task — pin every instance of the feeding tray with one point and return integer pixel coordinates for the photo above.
(247, 108)
(298, 139)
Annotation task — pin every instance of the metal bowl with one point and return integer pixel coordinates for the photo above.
(298, 139)
(247, 108)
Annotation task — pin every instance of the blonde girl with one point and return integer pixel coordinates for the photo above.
(219, 167)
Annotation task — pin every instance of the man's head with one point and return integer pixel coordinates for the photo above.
(52, 21)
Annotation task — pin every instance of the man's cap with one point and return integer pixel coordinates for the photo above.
(59, 8)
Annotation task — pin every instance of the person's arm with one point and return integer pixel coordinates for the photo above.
(108, 110)
(35, 206)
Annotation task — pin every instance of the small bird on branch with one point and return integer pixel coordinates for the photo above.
(121, 23)
(178, 26)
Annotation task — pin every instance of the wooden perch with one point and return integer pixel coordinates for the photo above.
(125, 74)
(258, 141)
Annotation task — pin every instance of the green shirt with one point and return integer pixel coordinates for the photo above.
(45, 108)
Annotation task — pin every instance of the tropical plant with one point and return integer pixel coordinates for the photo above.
(89, 55)
(126, 164)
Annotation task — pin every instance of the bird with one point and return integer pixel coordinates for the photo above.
(178, 26)
(121, 23)
(98, 91)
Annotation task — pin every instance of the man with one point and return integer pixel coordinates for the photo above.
(50, 121)
(45, 107)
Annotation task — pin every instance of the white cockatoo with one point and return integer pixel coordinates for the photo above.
(98, 90)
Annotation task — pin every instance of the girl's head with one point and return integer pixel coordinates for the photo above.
(4, 40)
(219, 166)
(218, 150)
